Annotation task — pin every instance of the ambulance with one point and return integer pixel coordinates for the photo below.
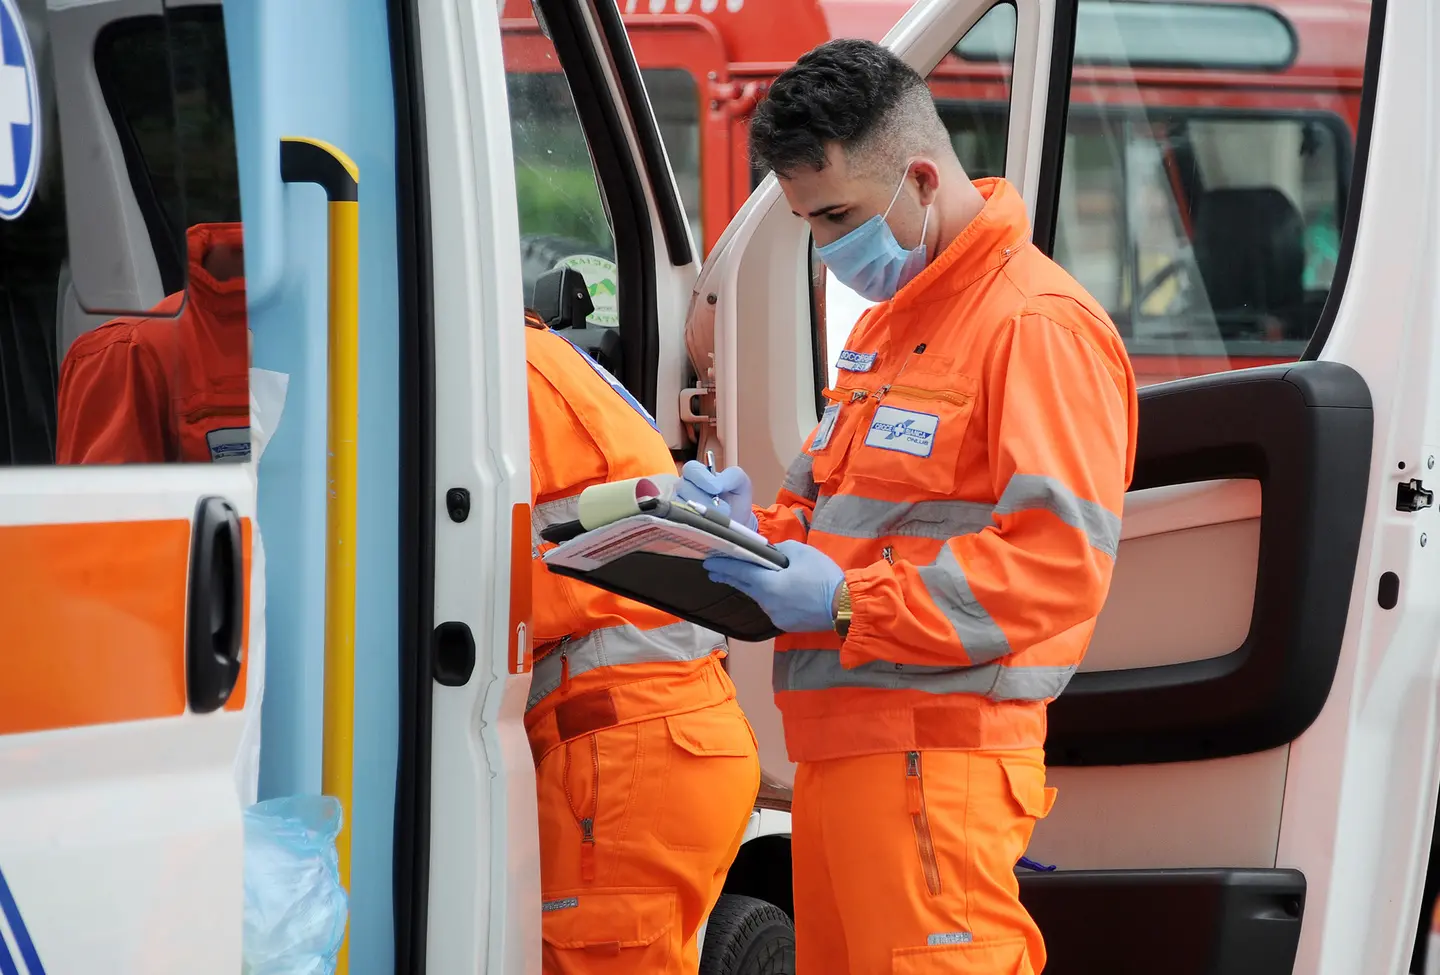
(1246, 762)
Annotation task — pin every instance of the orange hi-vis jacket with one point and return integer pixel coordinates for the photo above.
(172, 387)
(610, 659)
(969, 474)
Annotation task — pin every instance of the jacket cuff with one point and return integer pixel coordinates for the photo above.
(867, 616)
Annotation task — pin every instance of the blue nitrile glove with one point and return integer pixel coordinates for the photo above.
(799, 598)
(730, 488)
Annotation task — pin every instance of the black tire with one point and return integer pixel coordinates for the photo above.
(748, 936)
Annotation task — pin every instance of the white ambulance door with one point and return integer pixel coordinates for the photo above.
(1246, 761)
(535, 150)
(124, 567)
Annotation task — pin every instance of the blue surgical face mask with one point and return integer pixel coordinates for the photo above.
(870, 261)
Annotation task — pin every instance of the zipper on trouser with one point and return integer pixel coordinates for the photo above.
(924, 842)
(586, 823)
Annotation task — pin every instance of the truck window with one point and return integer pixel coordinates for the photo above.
(117, 180)
(1205, 216)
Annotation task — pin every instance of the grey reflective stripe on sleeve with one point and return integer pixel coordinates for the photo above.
(803, 516)
(948, 588)
(816, 670)
(1036, 492)
(800, 477)
(623, 644)
(853, 516)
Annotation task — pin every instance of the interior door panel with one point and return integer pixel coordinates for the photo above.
(1216, 649)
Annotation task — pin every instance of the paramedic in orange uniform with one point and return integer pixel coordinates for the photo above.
(173, 387)
(951, 524)
(647, 768)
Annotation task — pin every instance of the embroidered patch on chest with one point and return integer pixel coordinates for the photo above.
(827, 427)
(229, 445)
(856, 361)
(907, 431)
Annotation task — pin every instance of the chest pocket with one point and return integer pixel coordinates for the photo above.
(912, 436)
(843, 415)
(218, 429)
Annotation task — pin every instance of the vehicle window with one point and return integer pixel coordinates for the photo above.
(562, 215)
(123, 338)
(974, 103)
(675, 98)
(1202, 210)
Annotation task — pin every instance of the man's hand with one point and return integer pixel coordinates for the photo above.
(727, 491)
(799, 598)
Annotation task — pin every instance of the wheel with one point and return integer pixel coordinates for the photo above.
(748, 936)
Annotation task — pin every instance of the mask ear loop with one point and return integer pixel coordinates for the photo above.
(903, 178)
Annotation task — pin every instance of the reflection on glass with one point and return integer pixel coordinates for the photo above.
(107, 353)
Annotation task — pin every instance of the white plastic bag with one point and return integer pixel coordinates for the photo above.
(295, 908)
(267, 402)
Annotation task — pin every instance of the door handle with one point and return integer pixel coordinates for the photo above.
(217, 605)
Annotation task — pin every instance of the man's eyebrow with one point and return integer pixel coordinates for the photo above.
(824, 210)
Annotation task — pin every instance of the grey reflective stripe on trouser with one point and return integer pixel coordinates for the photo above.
(1036, 492)
(551, 513)
(815, 670)
(623, 644)
(800, 477)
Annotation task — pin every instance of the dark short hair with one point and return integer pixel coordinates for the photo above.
(842, 92)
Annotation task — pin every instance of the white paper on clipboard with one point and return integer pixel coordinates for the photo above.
(650, 534)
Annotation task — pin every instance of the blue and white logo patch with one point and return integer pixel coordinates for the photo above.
(903, 430)
(229, 445)
(856, 361)
(19, 115)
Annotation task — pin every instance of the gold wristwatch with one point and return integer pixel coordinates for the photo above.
(842, 611)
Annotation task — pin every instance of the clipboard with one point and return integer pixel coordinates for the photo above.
(676, 584)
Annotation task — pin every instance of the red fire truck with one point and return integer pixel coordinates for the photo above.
(1207, 159)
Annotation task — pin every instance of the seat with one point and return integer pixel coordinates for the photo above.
(1249, 245)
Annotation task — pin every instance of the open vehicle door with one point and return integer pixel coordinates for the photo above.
(1246, 761)
(123, 582)
(562, 147)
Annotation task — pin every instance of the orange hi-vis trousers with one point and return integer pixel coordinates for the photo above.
(643, 804)
(904, 863)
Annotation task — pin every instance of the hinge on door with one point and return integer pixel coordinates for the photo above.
(1411, 495)
(689, 413)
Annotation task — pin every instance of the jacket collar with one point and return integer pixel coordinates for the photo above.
(1000, 229)
(225, 299)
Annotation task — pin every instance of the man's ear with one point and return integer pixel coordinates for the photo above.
(927, 180)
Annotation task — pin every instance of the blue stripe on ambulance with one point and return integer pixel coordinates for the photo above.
(23, 942)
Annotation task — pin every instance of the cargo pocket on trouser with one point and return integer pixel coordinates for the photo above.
(710, 781)
(610, 931)
(1008, 957)
(1027, 787)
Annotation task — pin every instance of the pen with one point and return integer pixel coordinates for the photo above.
(710, 464)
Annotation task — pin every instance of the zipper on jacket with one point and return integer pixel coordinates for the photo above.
(915, 392)
(564, 665)
(586, 823)
(924, 842)
(888, 553)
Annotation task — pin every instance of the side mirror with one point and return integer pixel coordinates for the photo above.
(562, 298)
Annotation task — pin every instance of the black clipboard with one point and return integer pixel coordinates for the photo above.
(678, 585)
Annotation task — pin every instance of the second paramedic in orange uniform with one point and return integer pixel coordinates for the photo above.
(646, 766)
(172, 387)
(951, 524)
